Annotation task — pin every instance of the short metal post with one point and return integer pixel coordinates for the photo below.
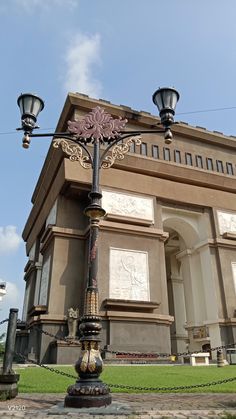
(220, 359)
(10, 341)
(8, 379)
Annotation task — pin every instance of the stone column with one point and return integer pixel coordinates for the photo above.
(209, 287)
(179, 312)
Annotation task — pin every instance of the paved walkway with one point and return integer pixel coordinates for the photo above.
(124, 406)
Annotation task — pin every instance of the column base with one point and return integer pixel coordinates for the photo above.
(8, 386)
(88, 393)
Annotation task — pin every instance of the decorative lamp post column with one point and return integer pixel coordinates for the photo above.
(96, 142)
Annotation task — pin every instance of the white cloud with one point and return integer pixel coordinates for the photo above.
(83, 53)
(9, 239)
(12, 299)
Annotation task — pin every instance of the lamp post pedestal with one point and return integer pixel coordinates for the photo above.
(89, 390)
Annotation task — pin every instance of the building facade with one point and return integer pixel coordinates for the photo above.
(167, 245)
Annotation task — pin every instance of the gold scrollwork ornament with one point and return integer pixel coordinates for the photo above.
(74, 151)
(118, 151)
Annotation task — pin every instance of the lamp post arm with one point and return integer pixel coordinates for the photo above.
(65, 136)
(68, 135)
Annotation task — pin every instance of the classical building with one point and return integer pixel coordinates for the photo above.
(167, 245)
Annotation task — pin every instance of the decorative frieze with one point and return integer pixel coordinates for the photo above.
(127, 205)
(226, 222)
(129, 275)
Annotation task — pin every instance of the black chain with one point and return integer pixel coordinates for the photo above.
(212, 383)
(140, 355)
(167, 355)
(46, 367)
(4, 321)
(127, 387)
(135, 354)
(56, 337)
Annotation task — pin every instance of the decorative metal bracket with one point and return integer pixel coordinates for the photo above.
(118, 152)
(74, 151)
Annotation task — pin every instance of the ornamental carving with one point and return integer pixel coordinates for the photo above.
(72, 322)
(74, 151)
(201, 332)
(97, 125)
(129, 279)
(83, 389)
(125, 205)
(118, 151)
(227, 222)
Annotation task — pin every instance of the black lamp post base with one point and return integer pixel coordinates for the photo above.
(88, 393)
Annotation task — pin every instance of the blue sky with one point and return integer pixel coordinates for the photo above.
(112, 49)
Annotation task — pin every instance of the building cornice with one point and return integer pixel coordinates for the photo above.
(146, 119)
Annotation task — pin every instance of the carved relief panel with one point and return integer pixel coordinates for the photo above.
(227, 222)
(129, 275)
(125, 205)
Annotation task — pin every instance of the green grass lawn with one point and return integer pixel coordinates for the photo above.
(39, 380)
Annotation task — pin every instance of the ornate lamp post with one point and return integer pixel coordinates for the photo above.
(96, 142)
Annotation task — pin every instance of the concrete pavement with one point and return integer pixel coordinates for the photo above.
(124, 406)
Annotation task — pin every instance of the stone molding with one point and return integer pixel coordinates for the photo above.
(130, 305)
(31, 267)
(225, 243)
(231, 236)
(47, 319)
(37, 309)
(138, 317)
(184, 253)
(131, 230)
(54, 231)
